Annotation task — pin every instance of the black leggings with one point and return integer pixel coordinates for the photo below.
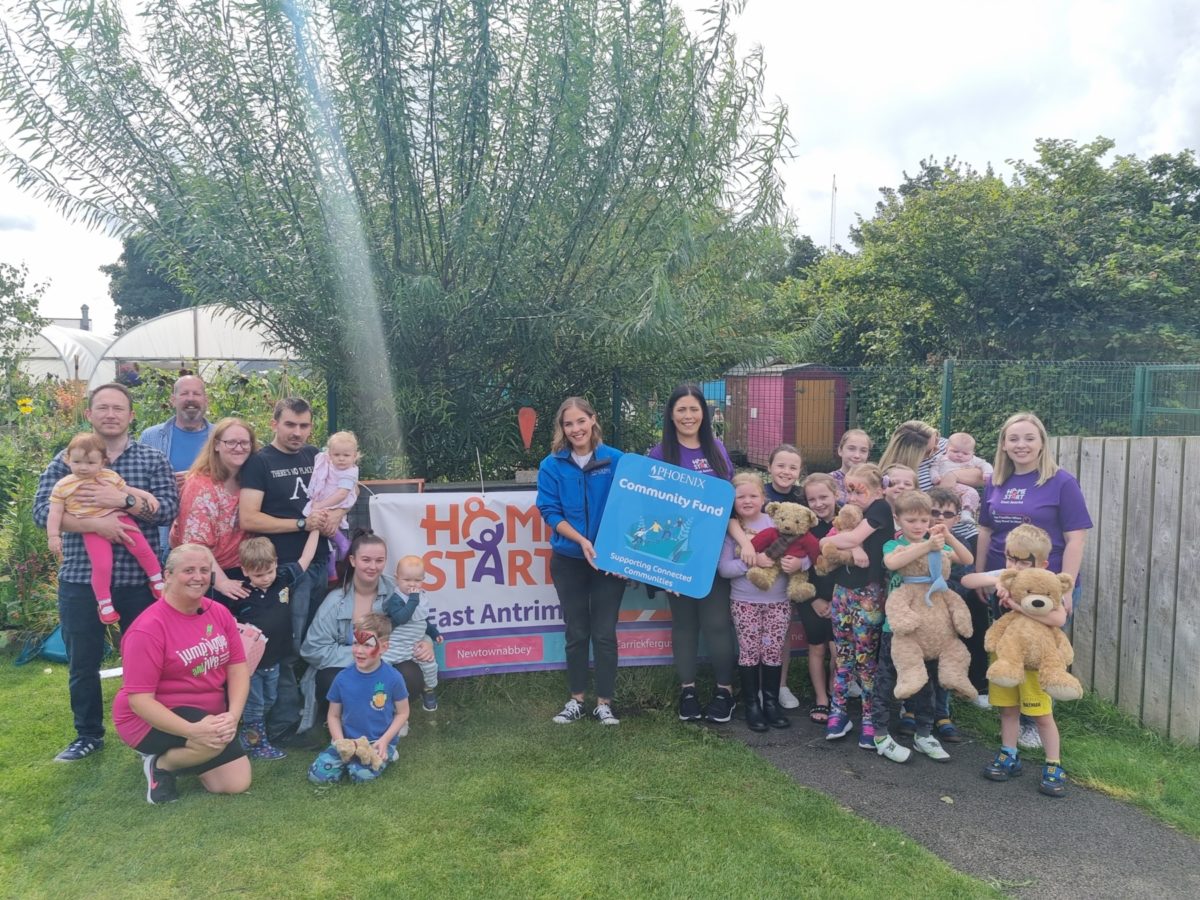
(710, 615)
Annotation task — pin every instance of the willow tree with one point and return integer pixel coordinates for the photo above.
(453, 207)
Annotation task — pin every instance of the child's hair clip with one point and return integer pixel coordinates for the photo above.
(887, 482)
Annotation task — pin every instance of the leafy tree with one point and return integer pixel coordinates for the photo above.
(1070, 259)
(456, 207)
(18, 315)
(137, 287)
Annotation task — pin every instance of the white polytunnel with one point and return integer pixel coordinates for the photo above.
(202, 338)
(61, 353)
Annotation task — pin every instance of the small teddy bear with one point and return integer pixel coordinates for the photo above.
(1021, 642)
(831, 557)
(789, 537)
(361, 748)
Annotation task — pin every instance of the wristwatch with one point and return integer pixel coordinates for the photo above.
(301, 524)
(129, 501)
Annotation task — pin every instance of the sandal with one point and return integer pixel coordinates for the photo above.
(819, 714)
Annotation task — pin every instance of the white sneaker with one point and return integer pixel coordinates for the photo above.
(982, 701)
(787, 699)
(403, 732)
(572, 712)
(930, 746)
(889, 749)
(854, 691)
(1029, 739)
(604, 714)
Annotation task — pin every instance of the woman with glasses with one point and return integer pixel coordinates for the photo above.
(208, 502)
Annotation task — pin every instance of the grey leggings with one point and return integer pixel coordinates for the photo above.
(710, 615)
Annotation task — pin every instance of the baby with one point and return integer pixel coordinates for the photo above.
(334, 485)
(960, 454)
(410, 619)
(85, 457)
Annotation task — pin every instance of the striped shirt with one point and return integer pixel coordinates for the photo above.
(142, 467)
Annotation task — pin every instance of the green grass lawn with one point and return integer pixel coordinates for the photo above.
(489, 799)
(1109, 751)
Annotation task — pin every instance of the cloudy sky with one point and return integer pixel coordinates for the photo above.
(872, 88)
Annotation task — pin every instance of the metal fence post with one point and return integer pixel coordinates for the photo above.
(1137, 425)
(616, 408)
(947, 395)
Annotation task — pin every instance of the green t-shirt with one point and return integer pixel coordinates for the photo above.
(896, 578)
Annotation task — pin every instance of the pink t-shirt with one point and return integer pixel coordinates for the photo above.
(181, 659)
(208, 515)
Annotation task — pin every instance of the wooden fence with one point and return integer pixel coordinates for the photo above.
(1137, 630)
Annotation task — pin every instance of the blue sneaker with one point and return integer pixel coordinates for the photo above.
(1002, 768)
(79, 748)
(866, 736)
(838, 726)
(429, 701)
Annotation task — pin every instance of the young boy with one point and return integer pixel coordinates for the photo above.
(267, 607)
(1026, 546)
(367, 700)
(946, 511)
(912, 509)
(410, 618)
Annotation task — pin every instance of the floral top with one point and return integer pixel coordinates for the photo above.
(208, 515)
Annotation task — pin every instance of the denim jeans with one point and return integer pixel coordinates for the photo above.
(306, 595)
(83, 633)
(264, 689)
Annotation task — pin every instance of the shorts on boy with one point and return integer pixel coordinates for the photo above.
(328, 767)
(1028, 695)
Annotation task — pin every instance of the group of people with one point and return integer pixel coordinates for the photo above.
(927, 495)
(252, 533)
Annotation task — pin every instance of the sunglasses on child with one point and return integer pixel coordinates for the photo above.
(943, 514)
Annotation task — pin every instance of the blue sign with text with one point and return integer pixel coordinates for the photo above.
(663, 525)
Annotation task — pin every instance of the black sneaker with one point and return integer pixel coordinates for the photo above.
(720, 708)
(314, 738)
(689, 706)
(160, 785)
(79, 748)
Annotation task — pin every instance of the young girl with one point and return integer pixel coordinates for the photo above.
(688, 441)
(896, 480)
(85, 457)
(857, 608)
(853, 450)
(334, 485)
(820, 493)
(760, 617)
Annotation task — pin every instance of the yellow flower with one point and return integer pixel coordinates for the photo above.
(25, 405)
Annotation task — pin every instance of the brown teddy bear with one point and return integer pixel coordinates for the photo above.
(361, 748)
(1021, 642)
(831, 557)
(789, 537)
(926, 625)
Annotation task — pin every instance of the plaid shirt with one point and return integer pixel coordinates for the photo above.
(142, 467)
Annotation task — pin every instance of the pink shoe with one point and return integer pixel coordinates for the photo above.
(108, 613)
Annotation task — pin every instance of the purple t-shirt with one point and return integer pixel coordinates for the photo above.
(1057, 506)
(695, 460)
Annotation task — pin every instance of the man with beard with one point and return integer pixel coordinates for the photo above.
(180, 438)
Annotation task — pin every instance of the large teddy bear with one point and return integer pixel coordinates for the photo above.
(926, 624)
(789, 537)
(831, 557)
(1022, 642)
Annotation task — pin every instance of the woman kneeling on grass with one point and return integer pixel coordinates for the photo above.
(186, 681)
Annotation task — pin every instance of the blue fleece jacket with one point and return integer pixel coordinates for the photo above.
(577, 496)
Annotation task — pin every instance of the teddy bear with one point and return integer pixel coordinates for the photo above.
(926, 621)
(831, 557)
(789, 536)
(359, 748)
(1022, 642)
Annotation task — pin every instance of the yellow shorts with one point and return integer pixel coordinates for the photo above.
(1028, 695)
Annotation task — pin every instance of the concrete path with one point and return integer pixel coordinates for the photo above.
(1084, 845)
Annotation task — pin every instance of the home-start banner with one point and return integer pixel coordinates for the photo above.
(487, 562)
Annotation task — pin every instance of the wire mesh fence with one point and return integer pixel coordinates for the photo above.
(812, 406)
